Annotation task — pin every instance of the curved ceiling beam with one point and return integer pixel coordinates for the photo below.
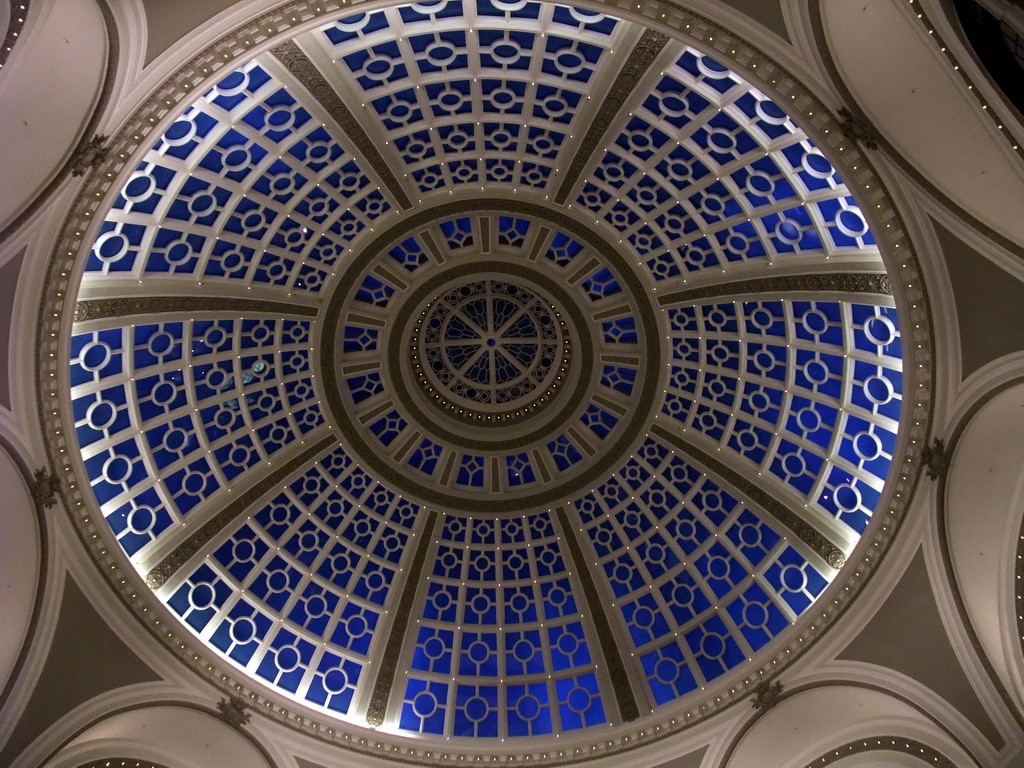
(639, 61)
(184, 551)
(387, 670)
(625, 697)
(306, 73)
(825, 282)
(811, 535)
(90, 310)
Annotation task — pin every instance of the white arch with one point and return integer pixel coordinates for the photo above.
(175, 735)
(20, 563)
(880, 759)
(807, 724)
(984, 504)
(908, 90)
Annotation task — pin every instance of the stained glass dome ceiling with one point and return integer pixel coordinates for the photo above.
(483, 370)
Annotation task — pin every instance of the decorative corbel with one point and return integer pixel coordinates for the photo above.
(89, 156)
(936, 459)
(858, 129)
(767, 696)
(233, 711)
(45, 487)
(375, 716)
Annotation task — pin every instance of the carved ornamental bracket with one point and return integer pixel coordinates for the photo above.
(89, 155)
(767, 696)
(45, 487)
(234, 712)
(858, 129)
(936, 459)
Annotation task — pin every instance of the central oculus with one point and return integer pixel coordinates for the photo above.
(471, 354)
(491, 350)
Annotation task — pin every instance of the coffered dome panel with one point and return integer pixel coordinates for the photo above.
(479, 370)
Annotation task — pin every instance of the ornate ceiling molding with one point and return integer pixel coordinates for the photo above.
(643, 55)
(806, 532)
(196, 541)
(845, 283)
(305, 71)
(918, 749)
(625, 696)
(131, 306)
(387, 670)
(330, 328)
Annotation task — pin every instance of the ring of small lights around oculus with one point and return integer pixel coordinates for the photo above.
(531, 414)
(543, 435)
(490, 343)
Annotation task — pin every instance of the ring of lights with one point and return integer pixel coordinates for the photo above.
(912, 300)
(620, 326)
(489, 342)
(576, 351)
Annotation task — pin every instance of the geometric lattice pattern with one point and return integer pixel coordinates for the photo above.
(247, 187)
(256, 192)
(169, 414)
(491, 342)
(707, 173)
(806, 391)
(699, 580)
(500, 643)
(295, 593)
(503, 82)
(469, 378)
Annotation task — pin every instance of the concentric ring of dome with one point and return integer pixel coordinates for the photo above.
(490, 342)
(566, 439)
(753, 471)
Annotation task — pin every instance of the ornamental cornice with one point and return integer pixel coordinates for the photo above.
(129, 306)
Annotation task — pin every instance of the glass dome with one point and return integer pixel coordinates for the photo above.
(481, 370)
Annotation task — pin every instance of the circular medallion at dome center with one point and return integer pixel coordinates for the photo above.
(491, 350)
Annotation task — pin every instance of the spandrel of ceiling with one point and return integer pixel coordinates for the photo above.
(909, 91)
(62, 58)
(239, 343)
